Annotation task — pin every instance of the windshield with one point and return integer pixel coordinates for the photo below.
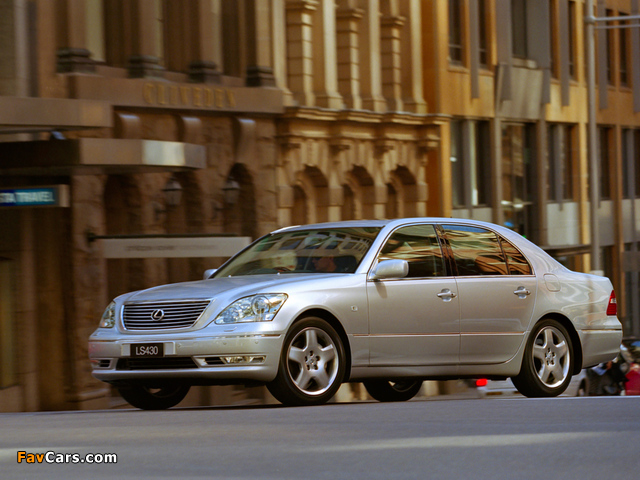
(333, 250)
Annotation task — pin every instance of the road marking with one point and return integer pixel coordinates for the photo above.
(463, 441)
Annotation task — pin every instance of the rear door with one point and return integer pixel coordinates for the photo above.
(497, 292)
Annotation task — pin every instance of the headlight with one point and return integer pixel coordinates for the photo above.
(109, 316)
(256, 308)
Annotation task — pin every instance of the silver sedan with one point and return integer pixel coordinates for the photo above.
(387, 302)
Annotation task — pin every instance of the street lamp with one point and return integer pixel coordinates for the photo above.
(594, 171)
(594, 190)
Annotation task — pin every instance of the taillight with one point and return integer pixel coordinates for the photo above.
(481, 382)
(612, 308)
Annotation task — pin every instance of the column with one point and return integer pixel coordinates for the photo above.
(300, 49)
(325, 76)
(73, 56)
(411, 57)
(259, 44)
(191, 39)
(144, 56)
(369, 57)
(390, 46)
(348, 18)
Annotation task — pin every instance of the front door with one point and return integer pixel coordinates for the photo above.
(414, 320)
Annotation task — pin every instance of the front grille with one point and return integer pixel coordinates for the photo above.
(168, 363)
(162, 316)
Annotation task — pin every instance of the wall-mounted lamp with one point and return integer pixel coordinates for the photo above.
(172, 193)
(231, 191)
(230, 196)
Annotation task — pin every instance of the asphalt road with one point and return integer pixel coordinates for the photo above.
(573, 438)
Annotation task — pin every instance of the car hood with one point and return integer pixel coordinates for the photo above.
(231, 286)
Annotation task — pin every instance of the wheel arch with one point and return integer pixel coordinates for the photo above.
(575, 339)
(337, 326)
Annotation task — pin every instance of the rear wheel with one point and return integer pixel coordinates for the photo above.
(547, 365)
(312, 364)
(148, 398)
(386, 391)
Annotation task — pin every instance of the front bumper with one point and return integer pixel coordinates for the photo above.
(198, 360)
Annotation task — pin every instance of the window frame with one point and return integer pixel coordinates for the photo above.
(499, 240)
(446, 263)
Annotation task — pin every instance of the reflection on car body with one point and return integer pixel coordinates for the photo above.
(386, 302)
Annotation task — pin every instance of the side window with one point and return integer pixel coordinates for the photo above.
(419, 246)
(518, 265)
(476, 251)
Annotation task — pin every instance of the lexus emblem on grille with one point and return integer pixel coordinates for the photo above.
(157, 315)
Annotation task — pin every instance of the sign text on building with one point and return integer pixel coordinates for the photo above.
(49, 196)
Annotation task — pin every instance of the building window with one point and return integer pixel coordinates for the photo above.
(561, 151)
(457, 167)
(636, 155)
(8, 372)
(480, 163)
(519, 178)
(470, 163)
(482, 31)
(572, 39)
(624, 58)
(455, 31)
(519, 28)
(610, 53)
(627, 165)
(553, 34)
(605, 154)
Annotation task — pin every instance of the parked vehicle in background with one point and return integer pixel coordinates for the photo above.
(631, 351)
(389, 303)
(609, 378)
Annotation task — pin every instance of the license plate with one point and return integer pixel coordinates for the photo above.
(147, 350)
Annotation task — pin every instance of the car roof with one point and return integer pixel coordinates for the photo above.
(392, 223)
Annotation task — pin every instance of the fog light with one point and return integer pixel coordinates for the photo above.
(243, 359)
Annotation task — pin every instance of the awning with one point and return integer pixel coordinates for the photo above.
(98, 155)
(31, 114)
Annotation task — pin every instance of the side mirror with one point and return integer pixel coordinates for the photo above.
(208, 273)
(390, 269)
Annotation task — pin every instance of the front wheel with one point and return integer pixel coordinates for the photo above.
(386, 391)
(547, 365)
(312, 364)
(148, 398)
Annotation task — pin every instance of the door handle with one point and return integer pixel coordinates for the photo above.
(447, 295)
(522, 292)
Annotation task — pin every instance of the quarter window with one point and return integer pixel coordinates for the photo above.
(476, 251)
(419, 246)
(518, 265)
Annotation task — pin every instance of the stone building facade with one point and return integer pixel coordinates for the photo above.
(306, 110)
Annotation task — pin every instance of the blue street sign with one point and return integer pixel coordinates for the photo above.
(53, 196)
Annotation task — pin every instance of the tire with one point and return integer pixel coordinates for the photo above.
(312, 364)
(547, 365)
(386, 391)
(148, 398)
